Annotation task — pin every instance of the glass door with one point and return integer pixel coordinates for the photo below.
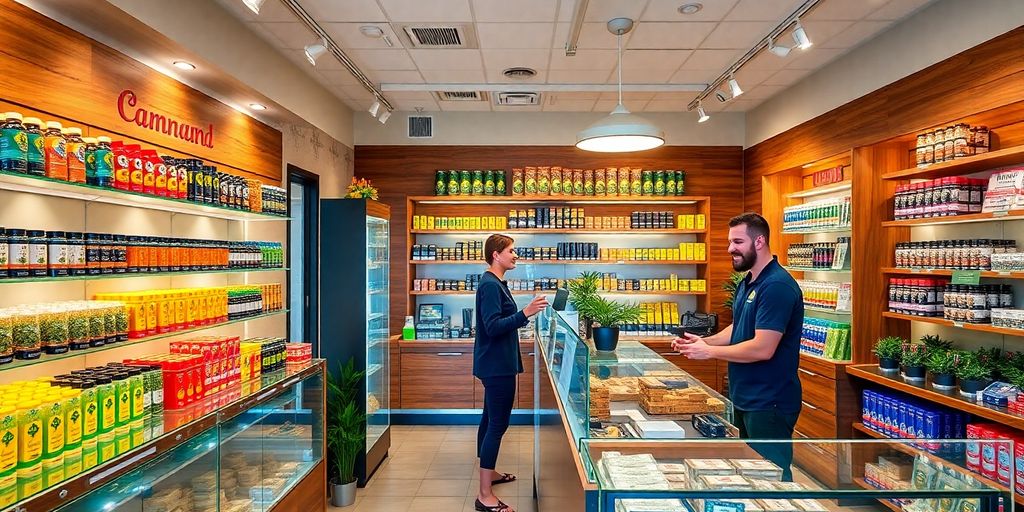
(377, 304)
(303, 254)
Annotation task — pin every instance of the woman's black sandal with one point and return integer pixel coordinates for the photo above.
(500, 507)
(505, 478)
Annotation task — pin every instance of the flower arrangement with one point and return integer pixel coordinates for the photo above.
(361, 189)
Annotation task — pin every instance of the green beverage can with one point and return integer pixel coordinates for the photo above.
(465, 183)
(499, 183)
(478, 183)
(670, 183)
(648, 183)
(659, 183)
(440, 183)
(680, 183)
(489, 183)
(453, 183)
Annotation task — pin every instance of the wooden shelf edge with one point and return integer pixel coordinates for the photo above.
(956, 219)
(559, 262)
(866, 486)
(946, 273)
(949, 323)
(991, 160)
(556, 199)
(560, 231)
(1010, 420)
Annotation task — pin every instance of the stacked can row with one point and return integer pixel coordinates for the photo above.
(941, 197)
(828, 213)
(469, 183)
(826, 338)
(975, 254)
(609, 181)
(951, 143)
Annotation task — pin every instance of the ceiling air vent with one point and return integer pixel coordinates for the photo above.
(421, 127)
(519, 73)
(439, 36)
(461, 96)
(516, 99)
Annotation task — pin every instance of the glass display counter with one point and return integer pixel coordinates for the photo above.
(594, 452)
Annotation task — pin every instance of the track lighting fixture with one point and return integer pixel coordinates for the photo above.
(254, 5)
(384, 116)
(800, 36)
(315, 50)
(734, 87)
(374, 108)
(721, 96)
(781, 51)
(702, 113)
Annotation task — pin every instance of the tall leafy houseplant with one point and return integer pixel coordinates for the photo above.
(582, 294)
(730, 288)
(346, 429)
(610, 315)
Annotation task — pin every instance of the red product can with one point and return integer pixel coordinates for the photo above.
(136, 167)
(122, 172)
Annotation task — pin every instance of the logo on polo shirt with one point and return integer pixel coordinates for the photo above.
(750, 297)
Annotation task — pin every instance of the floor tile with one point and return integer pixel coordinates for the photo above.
(418, 446)
(443, 488)
(424, 458)
(450, 471)
(381, 504)
(402, 472)
(438, 504)
(391, 488)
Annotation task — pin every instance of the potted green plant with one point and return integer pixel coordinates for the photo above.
(941, 364)
(934, 342)
(346, 431)
(889, 349)
(608, 315)
(913, 358)
(582, 293)
(730, 288)
(974, 375)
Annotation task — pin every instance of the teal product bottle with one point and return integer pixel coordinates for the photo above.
(13, 144)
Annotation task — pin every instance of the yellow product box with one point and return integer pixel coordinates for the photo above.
(490, 224)
(632, 254)
(701, 252)
(657, 316)
(690, 250)
(8, 488)
(702, 285)
(660, 255)
(588, 223)
(684, 285)
(675, 310)
(502, 223)
(673, 254)
(673, 283)
(680, 222)
(429, 222)
(701, 221)
(691, 222)
(604, 254)
(415, 222)
(666, 312)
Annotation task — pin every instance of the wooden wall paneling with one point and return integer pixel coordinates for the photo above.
(873, 245)
(963, 87)
(80, 80)
(402, 171)
(309, 494)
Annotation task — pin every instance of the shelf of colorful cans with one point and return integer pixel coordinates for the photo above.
(986, 161)
(833, 188)
(956, 219)
(52, 187)
(16, 280)
(547, 231)
(998, 274)
(814, 231)
(826, 311)
(565, 262)
(45, 358)
(179, 426)
(812, 269)
(539, 292)
(989, 328)
(922, 389)
(557, 199)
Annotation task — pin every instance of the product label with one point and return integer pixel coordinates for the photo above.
(55, 430)
(108, 413)
(89, 458)
(37, 255)
(76, 162)
(122, 170)
(149, 177)
(8, 443)
(13, 144)
(162, 177)
(36, 148)
(19, 256)
(30, 436)
(104, 163)
(124, 408)
(4, 260)
(73, 424)
(138, 403)
(57, 255)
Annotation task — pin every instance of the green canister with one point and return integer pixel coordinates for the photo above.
(680, 180)
(106, 397)
(440, 183)
(659, 183)
(670, 183)
(478, 183)
(465, 183)
(489, 183)
(452, 187)
(499, 183)
(104, 447)
(648, 183)
(137, 385)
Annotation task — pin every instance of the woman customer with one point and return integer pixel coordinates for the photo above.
(497, 362)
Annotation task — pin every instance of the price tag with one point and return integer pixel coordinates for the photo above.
(1002, 213)
(958, 324)
(970, 277)
(723, 506)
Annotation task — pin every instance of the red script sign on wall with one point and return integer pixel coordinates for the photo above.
(127, 100)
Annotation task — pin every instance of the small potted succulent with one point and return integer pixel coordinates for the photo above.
(974, 375)
(889, 349)
(941, 364)
(913, 359)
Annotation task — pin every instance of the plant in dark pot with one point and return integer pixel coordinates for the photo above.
(346, 431)
(608, 315)
(941, 364)
(582, 292)
(913, 359)
(974, 375)
(933, 342)
(889, 349)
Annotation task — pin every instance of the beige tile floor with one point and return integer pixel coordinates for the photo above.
(433, 469)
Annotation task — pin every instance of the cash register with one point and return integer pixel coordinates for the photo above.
(431, 324)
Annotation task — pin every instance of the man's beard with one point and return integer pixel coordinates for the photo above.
(746, 262)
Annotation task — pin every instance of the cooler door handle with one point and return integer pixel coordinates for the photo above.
(450, 354)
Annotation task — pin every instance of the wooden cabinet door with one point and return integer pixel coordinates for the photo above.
(525, 392)
(437, 378)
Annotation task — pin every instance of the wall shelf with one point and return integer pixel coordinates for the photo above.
(551, 292)
(130, 275)
(833, 188)
(563, 262)
(673, 200)
(809, 269)
(545, 231)
(841, 229)
(983, 162)
(998, 274)
(956, 219)
(949, 323)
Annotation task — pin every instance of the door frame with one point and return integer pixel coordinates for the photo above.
(311, 267)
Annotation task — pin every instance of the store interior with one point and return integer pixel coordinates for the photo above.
(241, 243)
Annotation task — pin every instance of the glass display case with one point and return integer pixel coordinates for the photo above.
(377, 288)
(253, 455)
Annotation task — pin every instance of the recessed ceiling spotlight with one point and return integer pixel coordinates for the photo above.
(519, 73)
(254, 5)
(372, 31)
(257, 106)
(693, 8)
(187, 66)
(315, 50)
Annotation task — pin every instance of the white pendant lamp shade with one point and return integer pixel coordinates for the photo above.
(620, 132)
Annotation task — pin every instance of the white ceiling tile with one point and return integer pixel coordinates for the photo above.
(628, 95)
(347, 36)
(578, 76)
(569, 105)
(293, 35)
(338, 76)
(821, 31)
(496, 76)
(498, 60)
(520, 11)
(604, 10)
(595, 36)
(565, 9)
(739, 35)
(763, 10)
(421, 11)
(843, 10)
(396, 77)
(654, 35)
(787, 77)
(561, 35)
(355, 105)
(695, 76)
(856, 34)
(813, 58)
(411, 95)
(897, 9)
(584, 59)
(342, 10)
(411, 105)
(463, 106)
(762, 92)
(358, 93)
(453, 76)
(572, 96)
(711, 59)
(518, 108)
(713, 105)
(654, 59)
(395, 60)
(749, 77)
(742, 105)
(643, 76)
(768, 60)
(666, 106)
(608, 105)
(668, 10)
(447, 59)
(514, 35)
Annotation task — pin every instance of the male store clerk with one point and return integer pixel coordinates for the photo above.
(762, 346)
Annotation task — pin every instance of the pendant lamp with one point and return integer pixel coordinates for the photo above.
(621, 131)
